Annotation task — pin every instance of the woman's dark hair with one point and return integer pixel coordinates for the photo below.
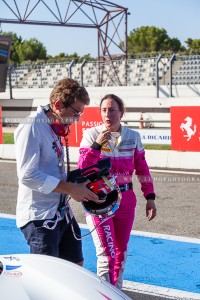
(116, 99)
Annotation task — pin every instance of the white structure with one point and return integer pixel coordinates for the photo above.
(137, 99)
(42, 277)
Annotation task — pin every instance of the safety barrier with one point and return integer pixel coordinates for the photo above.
(166, 159)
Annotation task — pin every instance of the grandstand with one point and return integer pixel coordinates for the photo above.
(144, 86)
(131, 72)
(187, 70)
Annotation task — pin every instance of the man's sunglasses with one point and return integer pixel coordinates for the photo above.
(77, 113)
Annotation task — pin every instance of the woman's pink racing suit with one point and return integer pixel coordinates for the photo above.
(111, 238)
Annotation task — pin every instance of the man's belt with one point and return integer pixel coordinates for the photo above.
(125, 187)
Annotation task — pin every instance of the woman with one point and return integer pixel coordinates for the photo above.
(126, 152)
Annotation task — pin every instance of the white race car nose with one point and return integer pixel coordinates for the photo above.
(42, 277)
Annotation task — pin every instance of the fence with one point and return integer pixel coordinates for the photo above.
(156, 71)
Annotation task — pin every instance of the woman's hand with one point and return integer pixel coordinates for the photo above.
(103, 137)
(150, 209)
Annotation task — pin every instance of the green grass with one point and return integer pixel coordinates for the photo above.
(8, 138)
(157, 147)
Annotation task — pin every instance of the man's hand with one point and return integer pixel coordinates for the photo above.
(78, 191)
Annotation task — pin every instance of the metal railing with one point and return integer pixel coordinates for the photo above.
(145, 124)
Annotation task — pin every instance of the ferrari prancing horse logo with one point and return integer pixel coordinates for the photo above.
(189, 128)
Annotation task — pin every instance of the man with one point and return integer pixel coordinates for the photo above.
(43, 213)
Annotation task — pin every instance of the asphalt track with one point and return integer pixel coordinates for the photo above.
(164, 254)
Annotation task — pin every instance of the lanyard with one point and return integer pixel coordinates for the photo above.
(58, 147)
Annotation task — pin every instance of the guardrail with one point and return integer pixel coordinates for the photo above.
(167, 159)
(13, 122)
(9, 122)
(146, 123)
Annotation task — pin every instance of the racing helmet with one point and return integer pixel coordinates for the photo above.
(101, 183)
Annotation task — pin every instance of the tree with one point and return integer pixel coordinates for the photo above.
(27, 50)
(175, 45)
(151, 39)
(86, 57)
(193, 45)
(16, 41)
(31, 50)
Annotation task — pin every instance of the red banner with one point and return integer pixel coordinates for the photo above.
(185, 128)
(90, 118)
(1, 132)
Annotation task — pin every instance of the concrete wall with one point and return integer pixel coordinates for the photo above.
(125, 92)
(155, 158)
(140, 97)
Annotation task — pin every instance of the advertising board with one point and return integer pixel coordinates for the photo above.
(185, 128)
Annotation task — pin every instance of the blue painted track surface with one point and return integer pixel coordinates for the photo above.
(155, 261)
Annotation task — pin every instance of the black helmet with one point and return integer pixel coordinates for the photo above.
(101, 183)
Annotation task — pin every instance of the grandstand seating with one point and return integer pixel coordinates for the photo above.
(188, 71)
(139, 72)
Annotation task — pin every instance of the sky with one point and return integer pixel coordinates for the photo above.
(180, 18)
